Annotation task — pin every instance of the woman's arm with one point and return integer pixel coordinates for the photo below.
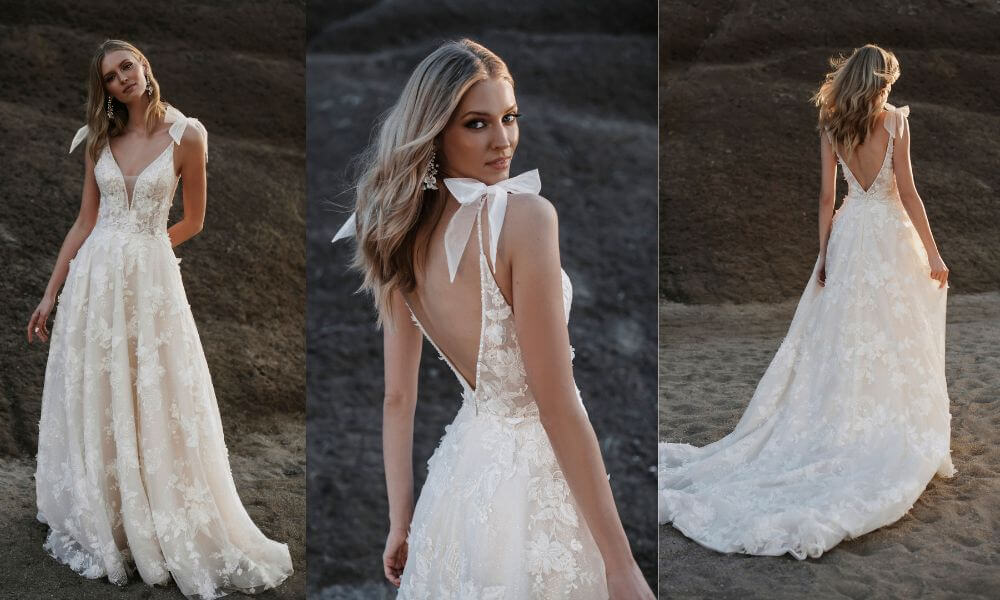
(915, 206)
(191, 155)
(533, 236)
(402, 345)
(78, 232)
(827, 199)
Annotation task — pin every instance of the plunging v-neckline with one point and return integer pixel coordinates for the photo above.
(121, 174)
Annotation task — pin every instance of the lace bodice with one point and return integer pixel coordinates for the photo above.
(883, 188)
(139, 204)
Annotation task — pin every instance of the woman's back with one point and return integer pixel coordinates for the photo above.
(866, 161)
(450, 312)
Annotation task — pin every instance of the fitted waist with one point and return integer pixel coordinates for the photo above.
(130, 227)
(507, 411)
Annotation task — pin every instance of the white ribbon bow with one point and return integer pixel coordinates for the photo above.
(470, 194)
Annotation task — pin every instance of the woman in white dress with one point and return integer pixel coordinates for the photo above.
(517, 503)
(851, 419)
(133, 472)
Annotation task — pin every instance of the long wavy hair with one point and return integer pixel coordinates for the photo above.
(848, 98)
(391, 204)
(100, 127)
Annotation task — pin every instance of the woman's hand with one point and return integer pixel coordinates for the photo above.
(394, 556)
(628, 584)
(821, 272)
(939, 271)
(38, 323)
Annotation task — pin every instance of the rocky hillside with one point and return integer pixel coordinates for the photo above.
(739, 174)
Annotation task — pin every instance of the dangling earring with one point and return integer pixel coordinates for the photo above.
(149, 88)
(430, 175)
(110, 110)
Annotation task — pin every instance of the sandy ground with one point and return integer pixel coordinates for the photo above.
(948, 546)
(242, 74)
(586, 82)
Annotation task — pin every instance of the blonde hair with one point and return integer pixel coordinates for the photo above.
(100, 127)
(847, 98)
(391, 204)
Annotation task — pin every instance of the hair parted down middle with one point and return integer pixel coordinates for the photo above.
(100, 127)
(847, 100)
(391, 205)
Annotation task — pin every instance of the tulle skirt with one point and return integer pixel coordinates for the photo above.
(496, 519)
(133, 471)
(851, 419)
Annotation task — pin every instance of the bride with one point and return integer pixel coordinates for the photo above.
(132, 466)
(516, 504)
(850, 421)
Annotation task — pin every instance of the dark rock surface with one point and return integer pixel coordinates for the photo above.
(241, 72)
(739, 176)
(586, 82)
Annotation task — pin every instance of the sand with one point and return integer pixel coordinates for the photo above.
(947, 546)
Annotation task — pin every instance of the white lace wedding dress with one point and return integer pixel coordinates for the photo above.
(132, 465)
(495, 519)
(851, 419)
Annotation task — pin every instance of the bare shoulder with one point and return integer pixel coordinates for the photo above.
(530, 217)
(193, 143)
(193, 139)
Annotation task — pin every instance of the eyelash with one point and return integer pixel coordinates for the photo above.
(127, 67)
(515, 115)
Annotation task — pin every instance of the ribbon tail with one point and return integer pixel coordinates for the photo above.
(81, 134)
(498, 209)
(348, 229)
(456, 236)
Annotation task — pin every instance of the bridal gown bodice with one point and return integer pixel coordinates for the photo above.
(495, 518)
(138, 204)
(133, 472)
(851, 418)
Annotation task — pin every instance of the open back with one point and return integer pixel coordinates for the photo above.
(870, 169)
(460, 308)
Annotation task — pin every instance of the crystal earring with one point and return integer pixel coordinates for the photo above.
(149, 88)
(110, 110)
(430, 175)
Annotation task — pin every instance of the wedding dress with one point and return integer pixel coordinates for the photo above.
(132, 465)
(495, 518)
(851, 419)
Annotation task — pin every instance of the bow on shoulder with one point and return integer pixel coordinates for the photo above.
(471, 193)
(172, 115)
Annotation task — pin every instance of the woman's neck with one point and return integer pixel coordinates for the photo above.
(137, 115)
